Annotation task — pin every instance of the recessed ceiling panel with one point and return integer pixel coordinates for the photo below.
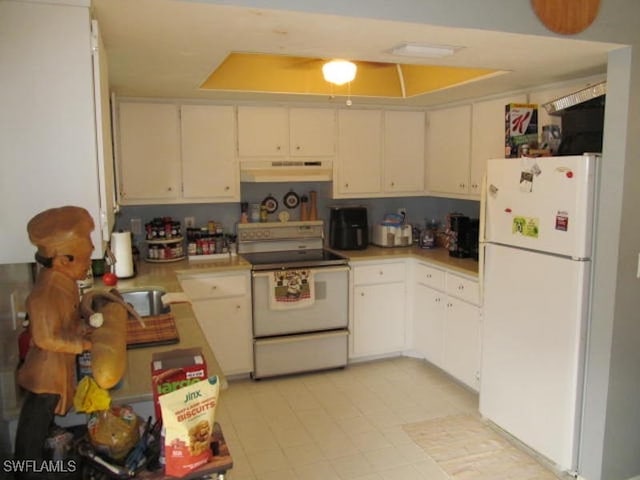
(253, 72)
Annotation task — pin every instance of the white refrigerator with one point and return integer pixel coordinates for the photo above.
(536, 234)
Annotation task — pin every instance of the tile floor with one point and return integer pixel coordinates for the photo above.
(339, 424)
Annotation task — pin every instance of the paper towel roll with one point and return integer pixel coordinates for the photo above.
(121, 249)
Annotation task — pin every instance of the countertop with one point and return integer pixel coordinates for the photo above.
(438, 256)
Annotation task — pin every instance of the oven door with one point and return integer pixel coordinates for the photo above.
(327, 311)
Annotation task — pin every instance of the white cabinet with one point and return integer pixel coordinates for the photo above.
(460, 140)
(55, 127)
(312, 132)
(149, 153)
(209, 164)
(282, 132)
(446, 321)
(404, 143)
(176, 154)
(379, 318)
(448, 148)
(359, 166)
(487, 135)
(222, 305)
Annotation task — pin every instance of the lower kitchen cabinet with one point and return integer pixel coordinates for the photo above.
(379, 312)
(222, 306)
(447, 322)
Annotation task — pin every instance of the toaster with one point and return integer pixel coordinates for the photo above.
(385, 235)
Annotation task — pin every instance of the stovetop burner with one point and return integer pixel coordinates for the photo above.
(293, 259)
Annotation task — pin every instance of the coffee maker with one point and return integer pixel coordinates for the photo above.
(348, 228)
(463, 236)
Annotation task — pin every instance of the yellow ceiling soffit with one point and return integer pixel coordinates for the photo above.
(251, 72)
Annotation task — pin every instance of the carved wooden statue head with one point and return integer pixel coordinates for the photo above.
(63, 238)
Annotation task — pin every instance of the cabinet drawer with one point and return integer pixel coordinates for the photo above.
(381, 273)
(197, 287)
(432, 277)
(463, 288)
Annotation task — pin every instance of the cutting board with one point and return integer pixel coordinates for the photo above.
(566, 17)
(158, 330)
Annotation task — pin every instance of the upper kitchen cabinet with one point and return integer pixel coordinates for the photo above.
(55, 124)
(176, 154)
(267, 132)
(448, 149)
(404, 137)
(487, 136)
(149, 154)
(359, 167)
(460, 140)
(209, 163)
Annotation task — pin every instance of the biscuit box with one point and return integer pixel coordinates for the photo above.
(521, 128)
(174, 369)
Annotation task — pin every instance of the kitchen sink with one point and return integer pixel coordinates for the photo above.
(146, 301)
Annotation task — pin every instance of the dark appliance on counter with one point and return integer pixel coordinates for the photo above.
(348, 228)
(582, 119)
(463, 237)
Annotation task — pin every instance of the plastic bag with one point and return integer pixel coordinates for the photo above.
(114, 432)
(89, 397)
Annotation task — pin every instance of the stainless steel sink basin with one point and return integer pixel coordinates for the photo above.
(146, 301)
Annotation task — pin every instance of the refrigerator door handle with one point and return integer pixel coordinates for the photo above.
(482, 234)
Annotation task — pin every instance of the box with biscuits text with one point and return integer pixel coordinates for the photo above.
(175, 369)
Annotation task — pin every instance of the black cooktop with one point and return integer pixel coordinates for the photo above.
(294, 259)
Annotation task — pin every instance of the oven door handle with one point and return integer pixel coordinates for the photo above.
(339, 268)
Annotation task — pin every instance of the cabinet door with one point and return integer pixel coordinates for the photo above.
(263, 131)
(48, 135)
(379, 318)
(487, 135)
(404, 134)
(428, 323)
(149, 152)
(359, 153)
(448, 149)
(209, 165)
(312, 132)
(462, 342)
(226, 324)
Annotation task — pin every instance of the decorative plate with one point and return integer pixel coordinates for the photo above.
(291, 199)
(271, 203)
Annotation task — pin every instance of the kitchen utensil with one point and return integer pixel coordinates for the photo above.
(313, 205)
(304, 208)
(291, 199)
(270, 203)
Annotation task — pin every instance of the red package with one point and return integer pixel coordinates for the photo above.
(175, 369)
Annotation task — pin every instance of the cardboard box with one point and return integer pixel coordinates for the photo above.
(521, 128)
(174, 369)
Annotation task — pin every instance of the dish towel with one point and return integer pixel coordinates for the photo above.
(291, 289)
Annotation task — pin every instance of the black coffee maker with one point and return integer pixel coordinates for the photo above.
(348, 228)
(463, 236)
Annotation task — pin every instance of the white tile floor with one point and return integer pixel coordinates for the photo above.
(339, 424)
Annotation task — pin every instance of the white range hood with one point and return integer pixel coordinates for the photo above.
(286, 171)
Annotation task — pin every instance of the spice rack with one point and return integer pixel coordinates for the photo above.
(165, 250)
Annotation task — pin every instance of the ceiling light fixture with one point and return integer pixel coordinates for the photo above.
(424, 50)
(339, 72)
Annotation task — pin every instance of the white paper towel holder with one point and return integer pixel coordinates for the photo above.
(123, 254)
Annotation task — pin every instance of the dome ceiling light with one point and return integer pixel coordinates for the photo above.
(339, 72)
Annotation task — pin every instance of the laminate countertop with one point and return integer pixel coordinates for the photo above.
(438, 256)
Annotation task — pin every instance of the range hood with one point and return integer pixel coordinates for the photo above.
(286, 171)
